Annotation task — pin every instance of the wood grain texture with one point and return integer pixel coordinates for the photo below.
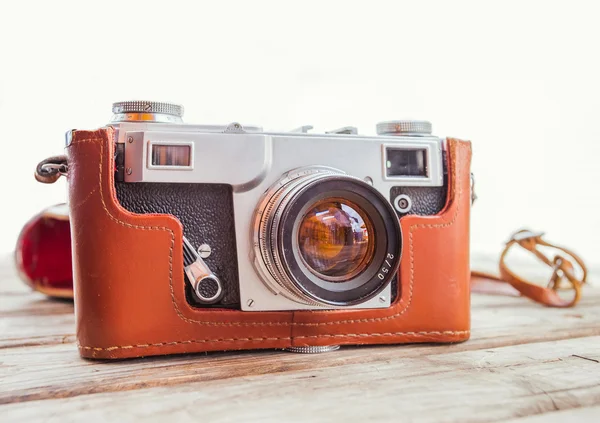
(524, 362)
(579, 415)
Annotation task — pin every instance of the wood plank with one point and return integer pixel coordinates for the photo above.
(29, 318)
(498, 319)
(37, 329)
(23, 373)
(10, 282)
(33, 303)
(390, 384)
(579, 415)
(40, 366)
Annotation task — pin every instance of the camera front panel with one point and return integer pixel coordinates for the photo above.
(206, 214)
(217, 206)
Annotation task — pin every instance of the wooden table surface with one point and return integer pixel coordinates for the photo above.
(524, 363)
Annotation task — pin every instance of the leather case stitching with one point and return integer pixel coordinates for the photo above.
(412, 259)
(163, 228)
(203, 341)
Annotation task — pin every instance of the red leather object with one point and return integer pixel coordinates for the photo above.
(43, 253)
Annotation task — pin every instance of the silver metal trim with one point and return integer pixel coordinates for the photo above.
(204, 251)
(404, 127)
(302, 129)
(234, 128)
(69, 137)
(313, 349)
(52, 168)
(346, 130)
(266, 220)
(146, 111)
(197, 290)
(144, 106)
(145, 118)
(397, 205)
(434, 166)
(252, 150)
(199, 271)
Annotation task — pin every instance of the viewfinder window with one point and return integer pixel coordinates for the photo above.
(403, 162)
(171, 155)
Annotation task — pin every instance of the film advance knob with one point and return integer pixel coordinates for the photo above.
(148, 111)
(404, 127)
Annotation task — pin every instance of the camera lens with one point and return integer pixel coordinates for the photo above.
(335, 239)
(325, 238)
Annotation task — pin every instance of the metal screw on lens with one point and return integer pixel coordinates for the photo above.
(129, 171)
(250, 302)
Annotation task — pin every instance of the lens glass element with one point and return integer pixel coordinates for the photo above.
(336, 240)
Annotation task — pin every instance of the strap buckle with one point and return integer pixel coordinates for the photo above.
(524, 235)
(49, 170)
(563, 270)
(52, 168)
(563, 275)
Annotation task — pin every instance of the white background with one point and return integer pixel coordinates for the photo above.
(518, 78)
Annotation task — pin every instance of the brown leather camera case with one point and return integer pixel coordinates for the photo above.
(129, 279)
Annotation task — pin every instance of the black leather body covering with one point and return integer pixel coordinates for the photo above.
(426, 201)
(206, 213)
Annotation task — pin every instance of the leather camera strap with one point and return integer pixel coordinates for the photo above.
(48, 171)
(564, 275)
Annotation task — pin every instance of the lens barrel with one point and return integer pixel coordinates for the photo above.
(325, 238)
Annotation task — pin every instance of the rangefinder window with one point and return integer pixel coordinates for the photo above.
(403, 162)
(171, 155)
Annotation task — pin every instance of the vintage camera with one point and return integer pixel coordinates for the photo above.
(191, 238)
(280, 220)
